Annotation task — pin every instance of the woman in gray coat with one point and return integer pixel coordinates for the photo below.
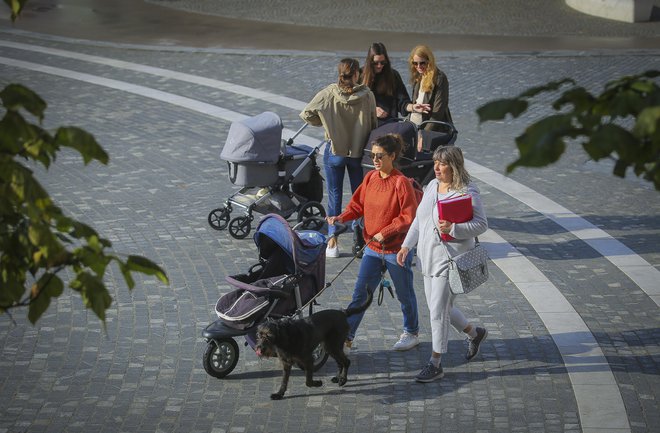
(452, 179)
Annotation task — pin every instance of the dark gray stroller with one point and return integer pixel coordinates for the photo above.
(413, 163)
(275, 175)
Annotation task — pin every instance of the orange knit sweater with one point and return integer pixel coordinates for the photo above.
(388, 206)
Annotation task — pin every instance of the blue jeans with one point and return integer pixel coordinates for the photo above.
(335, 166)
(402, 278)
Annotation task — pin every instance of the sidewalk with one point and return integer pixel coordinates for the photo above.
(574, 337)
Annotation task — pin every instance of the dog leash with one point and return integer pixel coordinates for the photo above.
(347, 265)
(382, 285)
(313, 301)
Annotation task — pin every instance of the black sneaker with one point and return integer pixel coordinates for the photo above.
(429, 373)
(474, 343)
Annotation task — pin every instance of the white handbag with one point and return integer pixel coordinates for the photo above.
(468, 270)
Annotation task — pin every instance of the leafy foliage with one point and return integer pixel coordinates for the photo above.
(622, 123)
(16, 7)
(37, 240)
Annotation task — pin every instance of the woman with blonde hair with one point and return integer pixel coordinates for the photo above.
(347, 112)
(430, 95)
(433, 253)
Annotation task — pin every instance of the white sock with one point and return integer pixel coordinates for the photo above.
(435, 361)
(472, 333)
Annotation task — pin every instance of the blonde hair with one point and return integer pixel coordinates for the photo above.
(426, 81)
(346, 70)
(453, 157)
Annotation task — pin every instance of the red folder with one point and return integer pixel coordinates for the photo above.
(456, 210)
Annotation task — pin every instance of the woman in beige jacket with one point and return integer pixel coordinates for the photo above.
(347, 112)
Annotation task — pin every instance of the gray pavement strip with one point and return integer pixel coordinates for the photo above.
(448, 17)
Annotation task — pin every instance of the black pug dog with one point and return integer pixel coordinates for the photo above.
(294, 340)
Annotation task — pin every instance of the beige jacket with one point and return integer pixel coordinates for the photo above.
(347, 118)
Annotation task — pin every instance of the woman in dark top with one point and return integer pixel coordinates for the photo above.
(385, 83)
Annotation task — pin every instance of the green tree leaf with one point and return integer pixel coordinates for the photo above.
(609, 138)
(578, 97)
(94, 293)
(126, 272)
(49, 286)
(648, 122)
(543, 142)
(17, 96)
(16, 7)
(498, 110)
(83, 142)
(550, 87)
(623, 104)
(147, 267)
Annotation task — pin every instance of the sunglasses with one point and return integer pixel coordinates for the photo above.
(378, 156)
(379, 63)
(422, 63)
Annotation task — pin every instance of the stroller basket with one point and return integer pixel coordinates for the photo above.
(250, 303)
(289, 275)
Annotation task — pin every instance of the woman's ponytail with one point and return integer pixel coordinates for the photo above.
(346, 70)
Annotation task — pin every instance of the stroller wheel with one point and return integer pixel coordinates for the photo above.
(220, 357)
(219, 218)
(312, 209)
(239, 227)
(320, 357)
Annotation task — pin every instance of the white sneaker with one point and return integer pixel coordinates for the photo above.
(406, 342)
(332, 252)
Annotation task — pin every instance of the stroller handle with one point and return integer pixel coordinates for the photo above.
(315, 221)
(449, 126)
(289, 142)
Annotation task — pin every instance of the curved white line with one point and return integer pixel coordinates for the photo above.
(165, 73)
(572, 336)
(636, 268)
(587, 367)
(147, 92)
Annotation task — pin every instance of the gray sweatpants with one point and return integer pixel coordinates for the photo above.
(440, 301)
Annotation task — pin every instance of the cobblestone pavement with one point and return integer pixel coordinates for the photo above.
(143, 372)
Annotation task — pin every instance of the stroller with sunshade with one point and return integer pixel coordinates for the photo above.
(414, 163)
(275, 175)
(287, 279)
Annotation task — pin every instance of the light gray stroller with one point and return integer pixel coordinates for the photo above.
(275, 175)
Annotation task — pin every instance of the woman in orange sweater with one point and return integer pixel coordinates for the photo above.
(387, 202)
